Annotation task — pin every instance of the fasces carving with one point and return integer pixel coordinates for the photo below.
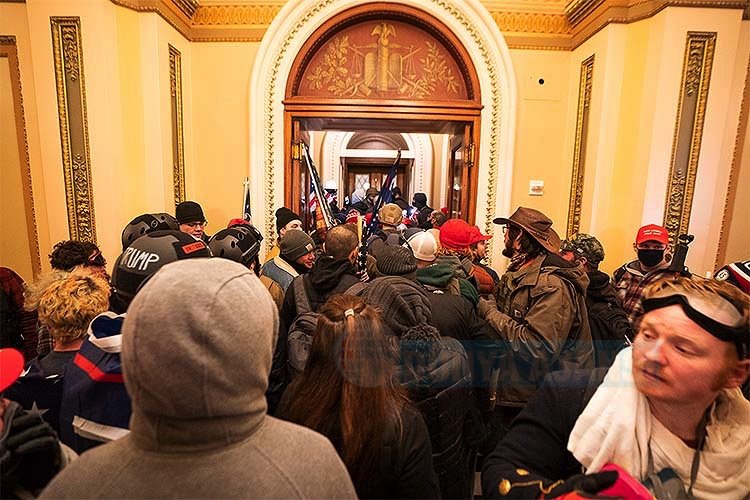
(386, 59)
(696, 76)
(71, 106)
(178, 142)
(579, 151)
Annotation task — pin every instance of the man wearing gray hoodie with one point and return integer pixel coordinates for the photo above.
(196, 367)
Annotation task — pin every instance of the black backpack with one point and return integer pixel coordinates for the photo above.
(302, 329)
(611, 330)
(11, 334)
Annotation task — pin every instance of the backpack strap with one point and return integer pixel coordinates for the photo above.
(356, 288)
(300, 296)
(619, 273)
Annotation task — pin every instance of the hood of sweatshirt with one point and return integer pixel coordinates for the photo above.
(197, 347)
(327, 273)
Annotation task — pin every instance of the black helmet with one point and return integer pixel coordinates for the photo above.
(147, 223)
(146, 256)
(240, 243)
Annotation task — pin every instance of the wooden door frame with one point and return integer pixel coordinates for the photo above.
(300, 112)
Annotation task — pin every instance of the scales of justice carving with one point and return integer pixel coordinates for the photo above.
(414, 67)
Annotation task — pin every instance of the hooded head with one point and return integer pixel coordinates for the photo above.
(196, 364)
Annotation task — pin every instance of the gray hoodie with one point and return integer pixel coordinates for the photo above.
(197, 349)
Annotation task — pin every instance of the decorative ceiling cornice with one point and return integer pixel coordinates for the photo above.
(526, 24)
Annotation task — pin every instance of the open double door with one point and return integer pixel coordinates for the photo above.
(455, 162)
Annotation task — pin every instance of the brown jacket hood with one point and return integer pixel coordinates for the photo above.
(197, 348)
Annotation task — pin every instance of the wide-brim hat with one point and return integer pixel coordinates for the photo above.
(538, 225)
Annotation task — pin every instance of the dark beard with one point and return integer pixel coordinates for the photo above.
(508, 251)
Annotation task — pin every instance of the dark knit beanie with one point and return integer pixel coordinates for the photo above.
(283, 217)
(295, 244)
(189, 211)
(403, 302)
(396, 261)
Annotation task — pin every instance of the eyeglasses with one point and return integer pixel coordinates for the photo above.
(505, 228)
(197, 224)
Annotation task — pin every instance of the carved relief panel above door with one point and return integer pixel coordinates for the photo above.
(383, 59)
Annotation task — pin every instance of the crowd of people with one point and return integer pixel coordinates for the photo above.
(391, 365)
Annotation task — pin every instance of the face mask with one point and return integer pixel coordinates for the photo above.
(650, 258)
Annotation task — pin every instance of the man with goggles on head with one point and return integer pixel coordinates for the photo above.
(668, 412)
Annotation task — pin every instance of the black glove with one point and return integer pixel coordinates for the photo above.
(29, 451)
(589, 484)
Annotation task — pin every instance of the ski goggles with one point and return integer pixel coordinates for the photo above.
(710, 311)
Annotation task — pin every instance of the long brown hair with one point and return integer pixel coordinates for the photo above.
(347, 391)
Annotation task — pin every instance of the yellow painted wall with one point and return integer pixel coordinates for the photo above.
(542, 149)
(738, 228)
(221, 128)
(13, 21)
(15, 251)
(636, 83)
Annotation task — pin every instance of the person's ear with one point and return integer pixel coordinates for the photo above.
(584, 261)
(738, 374)
(635, 247)
(354, 255)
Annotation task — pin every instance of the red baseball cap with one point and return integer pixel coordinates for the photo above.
(477, 236)
(11, 366)
(652, 232)
(456, 234)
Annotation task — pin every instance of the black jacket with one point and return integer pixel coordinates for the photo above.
(534, 453)
(441, 391)
(610, 328)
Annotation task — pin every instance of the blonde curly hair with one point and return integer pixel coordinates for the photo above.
(67, 305)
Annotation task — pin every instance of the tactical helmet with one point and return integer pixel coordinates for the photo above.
(147, 223)
(147, 255)
(240, 243)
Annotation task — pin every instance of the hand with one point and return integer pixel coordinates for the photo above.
(485, 306)
(29, 452)
(586, 484)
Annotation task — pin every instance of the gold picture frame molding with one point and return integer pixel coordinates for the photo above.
(9, 50)
(579, 149)
(74, 134)
(178, 136)
(686, 145)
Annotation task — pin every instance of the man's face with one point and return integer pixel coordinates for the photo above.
(307, 260)
(510, 244)
(194, 229)
(291, 226)
(568, 255)
(675, 361)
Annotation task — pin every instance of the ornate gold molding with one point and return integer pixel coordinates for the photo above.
(218, 15)
(696, 77)
(9, 49)
(74, 135)
(733, 184)
(531, 22)
(188, 7)
(579, 150)
(538, 24)
(178, 137)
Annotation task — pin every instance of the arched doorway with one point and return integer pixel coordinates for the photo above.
(379, 68)
(295, 25)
